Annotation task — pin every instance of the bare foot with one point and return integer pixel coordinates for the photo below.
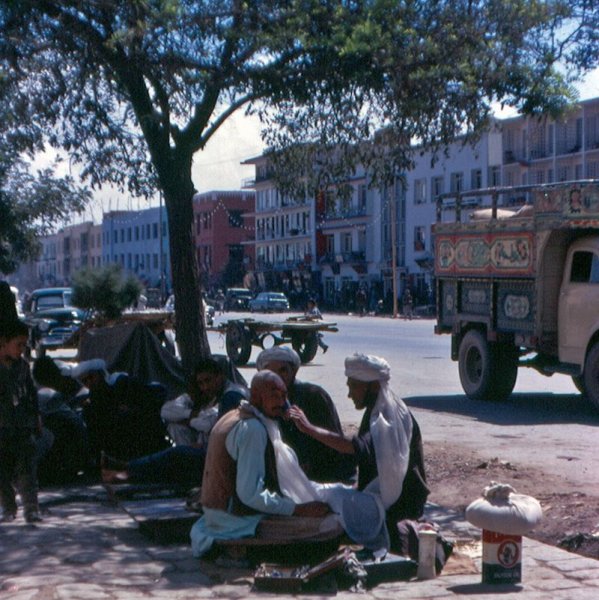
(110, 476)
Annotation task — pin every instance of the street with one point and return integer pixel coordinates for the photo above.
(545, 424)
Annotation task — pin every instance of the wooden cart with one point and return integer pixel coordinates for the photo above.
(300, 332)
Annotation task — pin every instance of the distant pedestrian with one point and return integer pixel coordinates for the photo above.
(408, 304)
(312, 312)
(20, 425)
(361, 300)
(220, 302)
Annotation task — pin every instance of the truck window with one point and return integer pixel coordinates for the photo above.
(585, 268)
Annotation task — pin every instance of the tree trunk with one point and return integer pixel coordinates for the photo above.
(189, 312)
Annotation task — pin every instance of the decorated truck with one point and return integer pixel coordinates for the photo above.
(520, 287)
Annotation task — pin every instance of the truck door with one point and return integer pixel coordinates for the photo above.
(578, 313)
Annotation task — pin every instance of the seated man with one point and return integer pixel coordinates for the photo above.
(57, 399)
(388, 448)
(210, 396)
(209, 392)
(318, 462)
(122, 414)
(241, 483)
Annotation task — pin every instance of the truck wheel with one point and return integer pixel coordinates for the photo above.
(475, 366)
(306, 345)
(505, 370)
(238, 342)
(591, 376)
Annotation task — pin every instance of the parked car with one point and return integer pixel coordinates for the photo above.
(269, 301)
(208, 309)
(237, 299)
(52, 319)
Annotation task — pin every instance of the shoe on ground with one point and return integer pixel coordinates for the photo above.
(33, 517)
(324, 349)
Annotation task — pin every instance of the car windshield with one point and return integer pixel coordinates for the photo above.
(52, 301)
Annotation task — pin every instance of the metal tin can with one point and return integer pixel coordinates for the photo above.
(502, 557)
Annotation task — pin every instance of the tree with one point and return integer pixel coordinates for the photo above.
(30, 206)
(31, 203)
(131, 89)
(106, 290)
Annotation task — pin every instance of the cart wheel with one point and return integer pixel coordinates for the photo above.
(306, 345)
(239, 343)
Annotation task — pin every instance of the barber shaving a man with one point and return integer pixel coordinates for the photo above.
(247, 475)
(250, 472)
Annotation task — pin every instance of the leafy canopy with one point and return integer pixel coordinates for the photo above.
(131, 89)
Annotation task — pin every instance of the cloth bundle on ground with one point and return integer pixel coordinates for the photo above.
(502, 510)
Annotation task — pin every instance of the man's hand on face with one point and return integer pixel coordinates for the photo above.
(311, 509)
(297, 415)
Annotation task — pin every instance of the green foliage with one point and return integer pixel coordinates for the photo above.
(30, 206)
(423, 74)
(131, 89)
(106, 290)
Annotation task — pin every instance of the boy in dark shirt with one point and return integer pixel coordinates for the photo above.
(20, 424)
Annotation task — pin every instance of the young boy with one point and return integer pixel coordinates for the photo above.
(20, 424)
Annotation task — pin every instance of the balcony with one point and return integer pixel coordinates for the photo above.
(344, 257)
(351, 213)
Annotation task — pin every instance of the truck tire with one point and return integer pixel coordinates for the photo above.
(475, 366)
(505, 370)
(590, 376)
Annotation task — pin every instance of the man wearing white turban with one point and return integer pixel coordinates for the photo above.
(320, 464)
(388, 451)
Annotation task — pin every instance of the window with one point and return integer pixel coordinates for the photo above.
(235, 218)
(419, 191)
(419, 238)
(128, 234)
(137, 233)
(346, 245)
(155, 230)
(563, 173)
(155, 262)
(330, 244)
(456, 182)
(436, 187)
(494, 176)
(476, 179)
(585, 268)
(362, 198)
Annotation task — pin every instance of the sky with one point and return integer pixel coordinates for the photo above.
(218, 166)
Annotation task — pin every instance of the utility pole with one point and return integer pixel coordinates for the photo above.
(393, 223)
(161, 263)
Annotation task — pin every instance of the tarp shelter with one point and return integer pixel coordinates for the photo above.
(133, 348)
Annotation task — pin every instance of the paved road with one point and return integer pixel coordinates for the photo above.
(545, 424)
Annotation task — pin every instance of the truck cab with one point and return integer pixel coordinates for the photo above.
(578, 320)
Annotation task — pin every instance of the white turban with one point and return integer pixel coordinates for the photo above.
(278, 353)
(367, 367)
(88, 366)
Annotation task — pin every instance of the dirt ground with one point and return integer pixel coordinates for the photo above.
(570, 518)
